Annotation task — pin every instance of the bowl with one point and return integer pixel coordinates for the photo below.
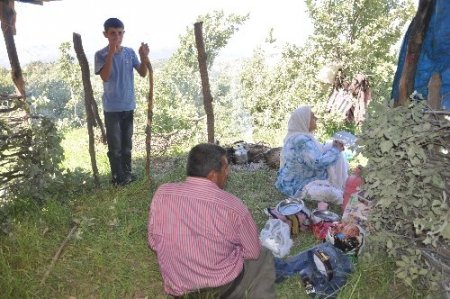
(325, 216)
(290, 206)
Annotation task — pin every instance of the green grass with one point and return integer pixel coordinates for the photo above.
(109, 257)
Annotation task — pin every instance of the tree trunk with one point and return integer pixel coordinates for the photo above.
(419, 27)
(88, 99)
(8, 19)
(207, 98)
(148, 129)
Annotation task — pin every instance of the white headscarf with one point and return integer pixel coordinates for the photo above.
(299, 124)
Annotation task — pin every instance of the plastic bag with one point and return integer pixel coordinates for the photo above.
(275, 236)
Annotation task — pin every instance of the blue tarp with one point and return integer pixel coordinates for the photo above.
(434, 56)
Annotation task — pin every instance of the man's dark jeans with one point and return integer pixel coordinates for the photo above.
(119, 132)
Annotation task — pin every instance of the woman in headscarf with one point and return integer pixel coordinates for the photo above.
(303, 159)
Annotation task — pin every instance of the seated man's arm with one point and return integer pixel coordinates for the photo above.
(153, 216)
(248, 234)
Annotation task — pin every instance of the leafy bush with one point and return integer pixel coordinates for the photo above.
(407, 174)
(39, 163)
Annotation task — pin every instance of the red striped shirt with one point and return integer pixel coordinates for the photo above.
(201, 235)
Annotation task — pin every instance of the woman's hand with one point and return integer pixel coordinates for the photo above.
(338, 145)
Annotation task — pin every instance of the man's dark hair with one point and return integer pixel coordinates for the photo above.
(113, 23)
(203, 158)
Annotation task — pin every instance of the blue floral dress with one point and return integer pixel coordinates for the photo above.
(304, 162)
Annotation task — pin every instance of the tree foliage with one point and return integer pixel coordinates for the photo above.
(6, 84)
(359, 35)
(39, 162)
(407, 174)
(178, 112)
(47, 92)
(71, 74)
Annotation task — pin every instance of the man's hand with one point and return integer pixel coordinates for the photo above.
(144, 50)
(113, 45)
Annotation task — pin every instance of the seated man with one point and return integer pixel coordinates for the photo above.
(205, 238)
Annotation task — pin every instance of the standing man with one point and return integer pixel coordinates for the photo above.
(205, 238)
(115, 65)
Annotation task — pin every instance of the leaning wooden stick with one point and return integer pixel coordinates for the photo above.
(88, 100)
(58, 253)
(148, 129)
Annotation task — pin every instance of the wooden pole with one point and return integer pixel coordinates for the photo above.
(88, 99)
(417, 35)
(148, 129)
(8, 17)
(434, 92)
(207, 97)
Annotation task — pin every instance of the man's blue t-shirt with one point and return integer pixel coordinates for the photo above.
(118, 92)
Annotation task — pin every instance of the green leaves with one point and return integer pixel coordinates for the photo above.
(360, 34)
(386, 145)
(406, 173)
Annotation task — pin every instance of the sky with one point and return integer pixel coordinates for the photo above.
(41, 29)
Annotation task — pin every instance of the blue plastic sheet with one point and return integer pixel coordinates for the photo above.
(434, 56)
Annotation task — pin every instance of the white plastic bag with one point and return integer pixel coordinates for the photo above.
(276, 237)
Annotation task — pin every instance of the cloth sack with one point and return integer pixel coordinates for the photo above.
(322, 190)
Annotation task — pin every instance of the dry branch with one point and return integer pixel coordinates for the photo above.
(58, 253)
(6, 97)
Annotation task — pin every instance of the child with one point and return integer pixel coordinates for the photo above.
(115, 64)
